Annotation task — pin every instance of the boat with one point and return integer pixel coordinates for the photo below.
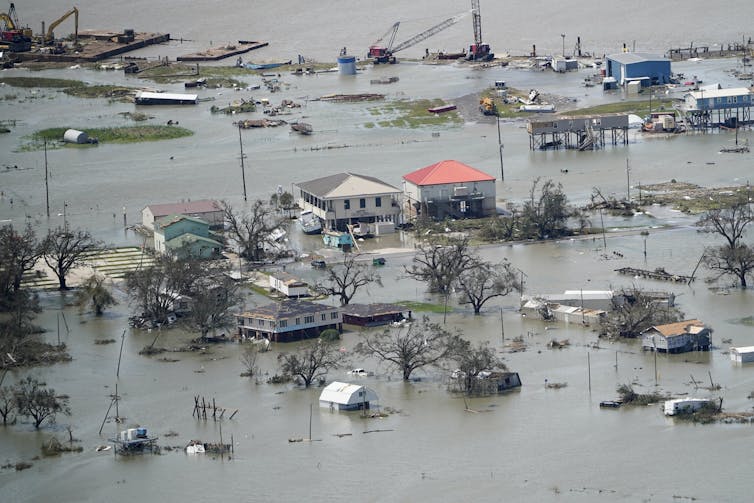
(195, 83)
(319, 264)
(451, 55)
(309, 222)
(442, 109)
(378, 261)
(302, 128)
(266, 66)
(610, 404)
(359, 373)
(536, 108)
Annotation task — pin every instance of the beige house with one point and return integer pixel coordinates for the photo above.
(349, 199)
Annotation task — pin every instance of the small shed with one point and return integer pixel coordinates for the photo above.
(75, 136)
(372, 315)
(288, 285)
(684, 405)
(345, 396)
(743, 354)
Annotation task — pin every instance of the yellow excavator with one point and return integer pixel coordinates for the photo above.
(49, 37)
(487, 106)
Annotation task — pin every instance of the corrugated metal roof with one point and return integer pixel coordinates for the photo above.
(346, 185)
(448, 171)
(679, 328)
(169, 220)
(743, 349)
(201, 206)
(626, 58)
(346, 393)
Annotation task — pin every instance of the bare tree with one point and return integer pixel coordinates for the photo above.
(545, 215)
(634, 311)
(730, 223)
(485, 281)
(7, 404)
(64, 249)
(211, 302)
(421, 345)
(440, 262)
(252, 231)
(18, 255)
(311, 361)
(472, 360)
(346, 278)
(154, 289)
(735, 258)
(737, 262)
(35, 400)
(249, 358)
(94, 292)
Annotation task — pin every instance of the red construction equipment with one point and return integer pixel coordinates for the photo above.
(13, 37)
(478, 51)
(385, 54)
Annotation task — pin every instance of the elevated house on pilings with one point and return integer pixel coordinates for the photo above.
(711, 108)
(578, 132)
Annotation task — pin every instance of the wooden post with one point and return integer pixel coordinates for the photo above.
(616, 360)
(310, 422)
(58, 329)
(589, 369)
(502, 327)
(120, 355)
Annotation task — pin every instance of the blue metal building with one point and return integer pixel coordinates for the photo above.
(628, 66)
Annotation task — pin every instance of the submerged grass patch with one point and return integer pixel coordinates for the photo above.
(412, 114)
(124, 134)
(640, 108)
(423, 307)
(41, 82)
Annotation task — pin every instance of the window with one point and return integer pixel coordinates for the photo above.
(324, 317)
(298, 321)
(334, 315)
(347, 204)
(362, 203)
(283, 323)
(308, 319)
(378, 202)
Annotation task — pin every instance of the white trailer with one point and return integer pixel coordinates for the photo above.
(681, 405)
(743, 354)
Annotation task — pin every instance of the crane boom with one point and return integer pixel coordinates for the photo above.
(427, 33)
(390, 33)
(476, 19)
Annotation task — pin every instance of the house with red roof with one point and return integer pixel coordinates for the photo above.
(679, 337)
(205, 209)
(449, 189)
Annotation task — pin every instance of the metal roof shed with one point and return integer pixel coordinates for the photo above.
(345, 396)
(743, 354)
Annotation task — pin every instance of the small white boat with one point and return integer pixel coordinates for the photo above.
(195, 447)
(309, 222)
(359, 373)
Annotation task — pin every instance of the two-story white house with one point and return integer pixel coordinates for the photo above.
(449, 189)
(350, 199)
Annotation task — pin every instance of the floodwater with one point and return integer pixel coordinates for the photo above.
(534, 444)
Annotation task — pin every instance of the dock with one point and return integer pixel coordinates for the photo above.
(99, 45)
(225, 51)
(658, 274)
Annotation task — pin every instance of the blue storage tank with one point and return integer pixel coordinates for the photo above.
(347, 65)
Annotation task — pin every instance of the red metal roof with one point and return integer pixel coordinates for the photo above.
(447, 172)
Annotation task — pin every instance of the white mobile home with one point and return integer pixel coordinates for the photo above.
(345, 396)
(288, 285)
(684, 405)
(743, 354)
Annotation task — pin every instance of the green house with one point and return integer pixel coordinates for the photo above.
(185, 236)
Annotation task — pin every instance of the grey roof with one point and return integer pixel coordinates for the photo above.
(325, 186)
(286, 309)
(190, 207)
(626, 58)
(365, 310)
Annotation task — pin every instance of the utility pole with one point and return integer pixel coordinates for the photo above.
(500, 146)
(602, 222)
(47, 186)
(562, 35)
(628, 182)
(65, 216)
(243, 170)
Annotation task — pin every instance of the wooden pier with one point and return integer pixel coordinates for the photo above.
(658, 274)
